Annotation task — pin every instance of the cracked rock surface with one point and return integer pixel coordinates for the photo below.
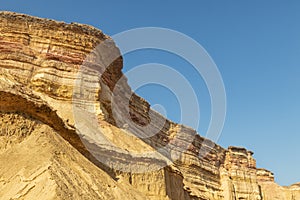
(43, 155)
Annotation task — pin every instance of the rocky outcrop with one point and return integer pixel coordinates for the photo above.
(55, 78)
(270, 190)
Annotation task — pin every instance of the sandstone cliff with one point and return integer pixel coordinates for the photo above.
(45, 155)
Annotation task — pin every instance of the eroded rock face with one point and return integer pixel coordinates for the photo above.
(36, 163)
(40, 63)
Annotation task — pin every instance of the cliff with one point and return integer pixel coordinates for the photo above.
(53, 83)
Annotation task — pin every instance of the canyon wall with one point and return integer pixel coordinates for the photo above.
(55, 80)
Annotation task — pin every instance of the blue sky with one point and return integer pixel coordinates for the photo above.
(255, 44)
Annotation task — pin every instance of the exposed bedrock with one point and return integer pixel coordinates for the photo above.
(56, 84)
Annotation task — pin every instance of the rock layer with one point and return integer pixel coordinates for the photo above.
(52, 81)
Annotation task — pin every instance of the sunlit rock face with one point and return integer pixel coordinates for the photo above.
(54, 80)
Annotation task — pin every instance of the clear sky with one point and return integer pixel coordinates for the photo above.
(255, 44)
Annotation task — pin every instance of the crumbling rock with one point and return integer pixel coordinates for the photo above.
(44, 155)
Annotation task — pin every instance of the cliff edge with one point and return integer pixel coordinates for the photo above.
(45, 154)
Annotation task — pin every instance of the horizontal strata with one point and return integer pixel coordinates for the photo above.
(41, 59)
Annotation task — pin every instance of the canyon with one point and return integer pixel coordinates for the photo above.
(57, 85)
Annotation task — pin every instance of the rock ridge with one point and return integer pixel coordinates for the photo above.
(40, 60)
